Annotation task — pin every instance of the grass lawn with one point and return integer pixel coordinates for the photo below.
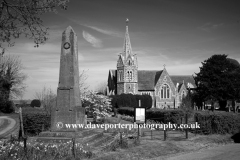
(4, 124)
(151, 149)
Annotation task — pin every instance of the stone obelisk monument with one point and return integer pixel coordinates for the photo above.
(68, 108)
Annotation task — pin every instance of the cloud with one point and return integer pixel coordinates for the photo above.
(91, 39)
(209, 26)
(107, 32)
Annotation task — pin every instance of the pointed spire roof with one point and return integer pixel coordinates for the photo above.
(127, 49)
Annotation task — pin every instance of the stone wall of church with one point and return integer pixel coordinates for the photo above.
(130, 88)
(134, 73)
(180, 95)
(165, 102)
(120, 88)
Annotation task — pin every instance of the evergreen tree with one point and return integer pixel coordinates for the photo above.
(218, 80)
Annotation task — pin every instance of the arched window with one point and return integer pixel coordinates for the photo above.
(120, 76)
(130, 75)
(165, 92)
(127, 75)
(183, 94)
(129, 63)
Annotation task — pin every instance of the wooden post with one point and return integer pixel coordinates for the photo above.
(151, 135)
(195, 117)
(42, 127)
(73, 147)
(25, 144)
(186, 121)
(21, 122)
(121, 139)
(138, 131)
(165, 135)
(165, 131)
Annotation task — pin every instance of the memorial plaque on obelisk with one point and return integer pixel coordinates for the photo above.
(68, 108)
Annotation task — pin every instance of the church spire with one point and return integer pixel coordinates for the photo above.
(127, 49)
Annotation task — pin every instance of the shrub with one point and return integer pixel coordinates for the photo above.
(129, 100)
(6, 106)
(96, 106)
(164, 116)
(34, 121)
(35, 103)
(159, 115)
(126, 111)
(217, 122)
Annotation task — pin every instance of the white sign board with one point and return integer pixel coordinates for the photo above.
(140, 115)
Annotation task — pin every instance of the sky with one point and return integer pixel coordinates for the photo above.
(178, 33)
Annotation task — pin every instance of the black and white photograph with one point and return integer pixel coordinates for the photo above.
(119, 79)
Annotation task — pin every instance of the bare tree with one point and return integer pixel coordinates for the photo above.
(47, 98)
(22, 17)
(82, 82)
(101, 87)
(12, 77)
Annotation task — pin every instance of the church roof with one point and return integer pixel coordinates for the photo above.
(113, 72)
(127, 49)
(179, 79)
(179, 87)
(147, 79)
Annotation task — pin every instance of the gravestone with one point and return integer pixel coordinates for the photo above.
(68, 108)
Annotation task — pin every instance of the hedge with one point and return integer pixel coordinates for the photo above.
(130, 100)
(34, 121)
(164, 116)
(217, 122)
(126, 111)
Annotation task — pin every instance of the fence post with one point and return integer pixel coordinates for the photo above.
(42, 127)
(121, 139)
(25, 144)
(165, 135)
(165, 131)
(73, 148)
(151, 135)
(195, 118)
(186, 121)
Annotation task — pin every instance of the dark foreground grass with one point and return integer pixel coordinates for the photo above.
(151, 149)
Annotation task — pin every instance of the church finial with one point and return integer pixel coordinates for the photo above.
(164, 66)
(127, 50)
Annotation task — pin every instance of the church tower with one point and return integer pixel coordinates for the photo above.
(127, 68)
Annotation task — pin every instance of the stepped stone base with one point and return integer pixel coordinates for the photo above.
(60, 134)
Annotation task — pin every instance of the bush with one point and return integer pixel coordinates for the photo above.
(34, 121)
(217, 122)
(6, 106)
(129, 100)
(164, 116)
(35, 103)
(96, 106)
(159, 115)
(126, 111)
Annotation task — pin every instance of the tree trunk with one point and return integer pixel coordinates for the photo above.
(233, 106)
(212, 106)
(222, 105)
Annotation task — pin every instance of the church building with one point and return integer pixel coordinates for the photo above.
(166, 90)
